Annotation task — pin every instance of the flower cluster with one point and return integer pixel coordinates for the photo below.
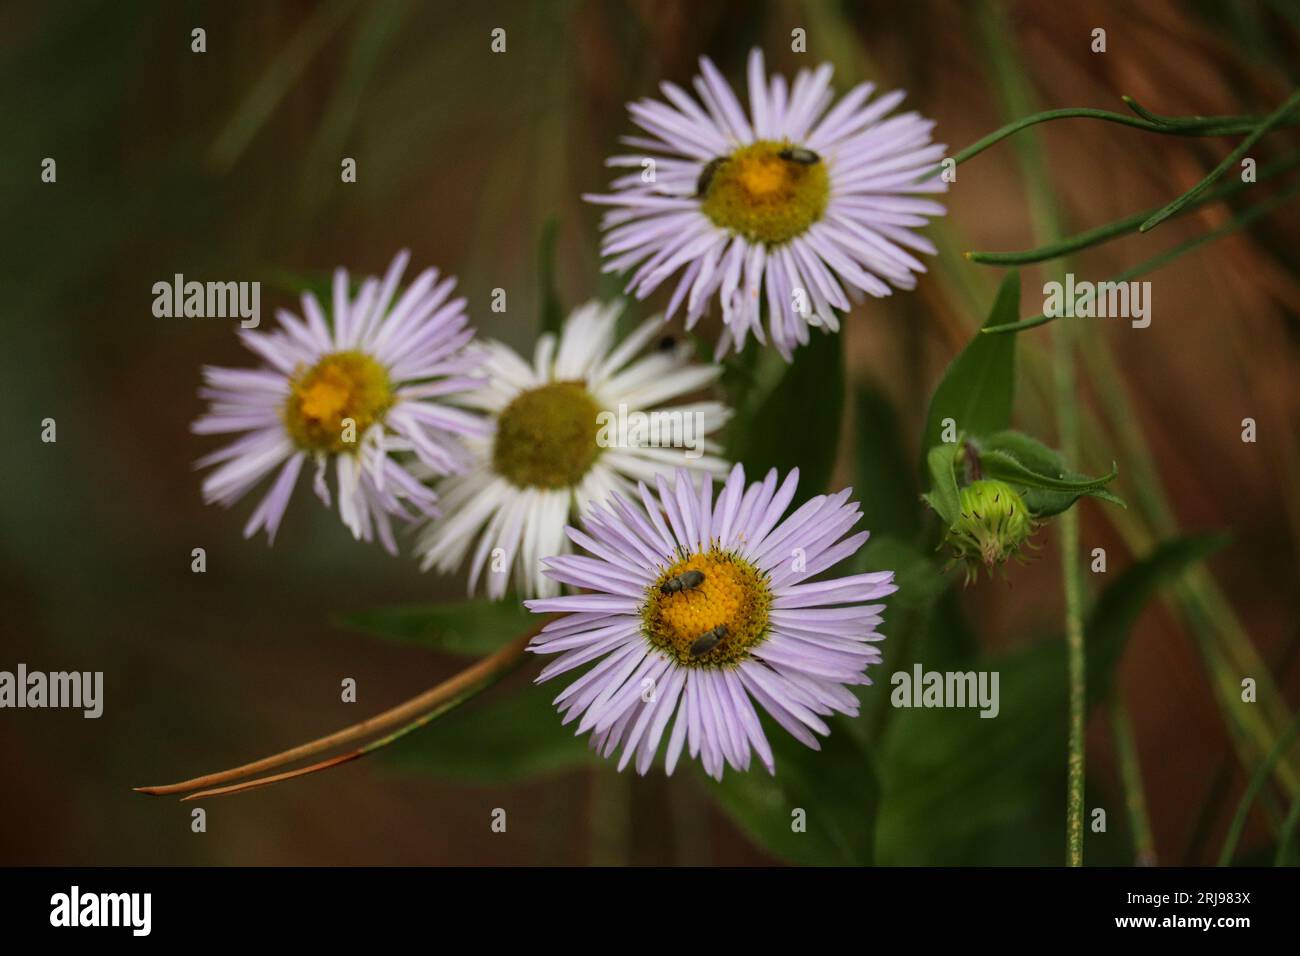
(692, 614)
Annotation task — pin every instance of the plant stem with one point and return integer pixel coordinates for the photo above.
(1130, 772)
(1146, 120)
(1230, 160)
(443, 708)
(1287, 832)
(1175, 126)
(1257, 781)
(423, 707)
(1068, 428)
(1155, 262)
(1017, 99)
(1129, 224)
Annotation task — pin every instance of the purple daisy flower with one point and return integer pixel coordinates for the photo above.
(362, 391)
(789, 203)
(702, 609)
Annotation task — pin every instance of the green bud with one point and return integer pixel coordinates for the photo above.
(992, 527)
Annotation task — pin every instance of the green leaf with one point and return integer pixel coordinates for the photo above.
(1038, 472)
(977, 389)
(505, 739)
(552, 309)
(472, 628)
(1117, 609)
(965, 790)
(962, 789)
(944, 496)
(998, 464)
(798, 422)
(836, 787)
(884, 476)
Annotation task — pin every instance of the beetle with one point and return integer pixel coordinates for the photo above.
(708, 641)
(683, 582)
(797, 154)
(706, 175)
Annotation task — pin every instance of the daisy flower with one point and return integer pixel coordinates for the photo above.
(559, 445)
(703, 610)
(789, 204)
(355, 391)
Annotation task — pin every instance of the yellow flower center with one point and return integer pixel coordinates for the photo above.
(333, 404)
(717, 619)
(764, 195)
(546, 437)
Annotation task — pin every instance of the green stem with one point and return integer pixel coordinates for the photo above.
(1130, 772)
(1077, 660)
(1184, 122)
(1207, 126)
(1257, 781)
(1146, 121)
(1017, 99)
(1287, 832)
(1120, 227)
(1155, 262)
(1272, 120)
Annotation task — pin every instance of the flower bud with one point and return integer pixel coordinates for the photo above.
(993, 526)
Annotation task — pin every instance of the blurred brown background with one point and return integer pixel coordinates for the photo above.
(226, 165)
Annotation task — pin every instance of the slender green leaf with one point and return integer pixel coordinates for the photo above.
(1113, 230)
(944, 496)
(977, 389)
(1228, 162)
(270, 89)
(1246, 218)
(1286, 834)
(1257, 782)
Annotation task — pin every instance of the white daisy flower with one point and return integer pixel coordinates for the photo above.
(704, 610)
(587, 417)
(789, 204)
(355, 391)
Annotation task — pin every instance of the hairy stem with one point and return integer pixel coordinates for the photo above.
(1017, 99)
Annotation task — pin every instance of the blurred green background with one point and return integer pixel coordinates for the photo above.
(225, 165)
